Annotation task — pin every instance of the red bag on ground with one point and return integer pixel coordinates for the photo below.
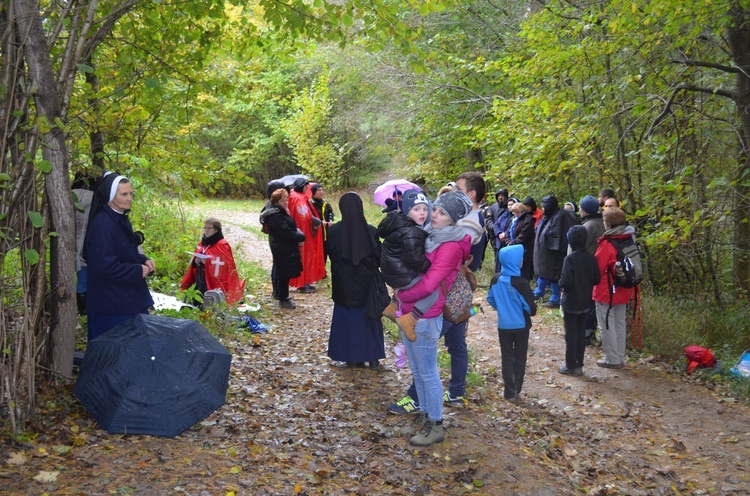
(697, 356)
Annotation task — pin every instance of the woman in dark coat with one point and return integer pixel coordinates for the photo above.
(354, 250)
(117, 289)
(284, 239)
(522, 233)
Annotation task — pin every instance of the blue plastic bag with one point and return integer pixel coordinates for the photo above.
(742, 368)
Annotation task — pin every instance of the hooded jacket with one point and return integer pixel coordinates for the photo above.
(510, 294)
(580, 273)
(403, 257)
(551, 244)
(606, 256)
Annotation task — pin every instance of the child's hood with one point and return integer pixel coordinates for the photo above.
(577, 236)
(510, 259)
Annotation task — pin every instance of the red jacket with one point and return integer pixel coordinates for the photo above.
(446, 260)
(606, 256)
(220, 271)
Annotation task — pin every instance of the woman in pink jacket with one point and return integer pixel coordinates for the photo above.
(611, 301)
(447, 246)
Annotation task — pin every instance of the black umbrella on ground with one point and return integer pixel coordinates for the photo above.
(153, 375)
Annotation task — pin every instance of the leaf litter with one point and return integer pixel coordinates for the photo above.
(297, 423)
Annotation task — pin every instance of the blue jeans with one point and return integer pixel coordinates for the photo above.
(422, 354)
(455, 341)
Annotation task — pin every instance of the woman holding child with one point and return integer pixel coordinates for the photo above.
(446, 246)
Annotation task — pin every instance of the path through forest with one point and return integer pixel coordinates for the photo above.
(297, 423)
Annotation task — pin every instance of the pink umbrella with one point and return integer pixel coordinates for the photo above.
(385, 190)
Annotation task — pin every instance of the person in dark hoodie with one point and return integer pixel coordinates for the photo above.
(403, 260)
(272, 186)
(580, 273)
(510, 295)
(550, 248)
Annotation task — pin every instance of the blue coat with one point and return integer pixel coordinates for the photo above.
(511, 294)
(115, 281)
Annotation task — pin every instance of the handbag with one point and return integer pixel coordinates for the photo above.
(460, 296)
(377, 297)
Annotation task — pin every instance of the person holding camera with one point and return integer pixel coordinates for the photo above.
(117, 289)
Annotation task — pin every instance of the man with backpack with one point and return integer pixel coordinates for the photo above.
(620, 265)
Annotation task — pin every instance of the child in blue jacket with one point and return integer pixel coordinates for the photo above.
(510, 295)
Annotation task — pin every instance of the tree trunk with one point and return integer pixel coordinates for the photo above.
(738, 35)
(57, 190)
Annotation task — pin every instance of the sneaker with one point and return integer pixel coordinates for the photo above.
(404, 406)
(563, 369)
(605, 364)
(430, 433)
(455, 401)
(288, 303)
(306, 289)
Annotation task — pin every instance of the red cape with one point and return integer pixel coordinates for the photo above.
(313, 265)
(221, 272)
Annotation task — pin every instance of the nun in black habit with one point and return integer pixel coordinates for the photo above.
(354, 250)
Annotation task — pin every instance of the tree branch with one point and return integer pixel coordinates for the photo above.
(710, 65)
(687, 87)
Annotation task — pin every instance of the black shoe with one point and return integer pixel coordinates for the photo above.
(551, 304)
(306, 289)
(563, 369)
(375, 364)
(288, 303)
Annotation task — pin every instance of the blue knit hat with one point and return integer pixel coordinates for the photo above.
(589, 204)
(410, 198)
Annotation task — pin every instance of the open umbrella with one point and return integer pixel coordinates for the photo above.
(385, 190)
(289, 180)
(153, 375)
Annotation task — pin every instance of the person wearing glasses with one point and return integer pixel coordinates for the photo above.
(212, 265)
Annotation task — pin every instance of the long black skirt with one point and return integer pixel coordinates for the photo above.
(354, 337)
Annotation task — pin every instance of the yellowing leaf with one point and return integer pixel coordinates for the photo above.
(297, 489)
(235, 470)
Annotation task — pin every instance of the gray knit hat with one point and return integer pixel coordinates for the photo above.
(456, 204)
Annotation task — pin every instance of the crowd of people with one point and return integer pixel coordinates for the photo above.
(570, 250)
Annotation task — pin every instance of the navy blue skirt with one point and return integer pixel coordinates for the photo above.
(354, 337)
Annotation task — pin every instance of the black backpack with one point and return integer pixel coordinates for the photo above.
(628, 271)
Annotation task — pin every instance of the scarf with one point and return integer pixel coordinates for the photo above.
(207, 241)
(436, 237)
(357, 242)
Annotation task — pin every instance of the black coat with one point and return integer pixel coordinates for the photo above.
(403, 257)
(580, 273)
(523, 234)
(115, 274)
(551, 244)
(283, 238)
(350, 284)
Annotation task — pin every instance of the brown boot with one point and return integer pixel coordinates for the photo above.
(407, 323)
(390, 311)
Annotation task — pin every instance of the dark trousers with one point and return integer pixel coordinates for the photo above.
(514, 346)
(575, 338)
(591, 320)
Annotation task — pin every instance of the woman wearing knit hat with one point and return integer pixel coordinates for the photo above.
(447, 246)
(117, 289)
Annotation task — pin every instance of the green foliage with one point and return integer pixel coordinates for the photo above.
(671, 323)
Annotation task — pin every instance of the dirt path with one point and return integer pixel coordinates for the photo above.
(297, 423)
